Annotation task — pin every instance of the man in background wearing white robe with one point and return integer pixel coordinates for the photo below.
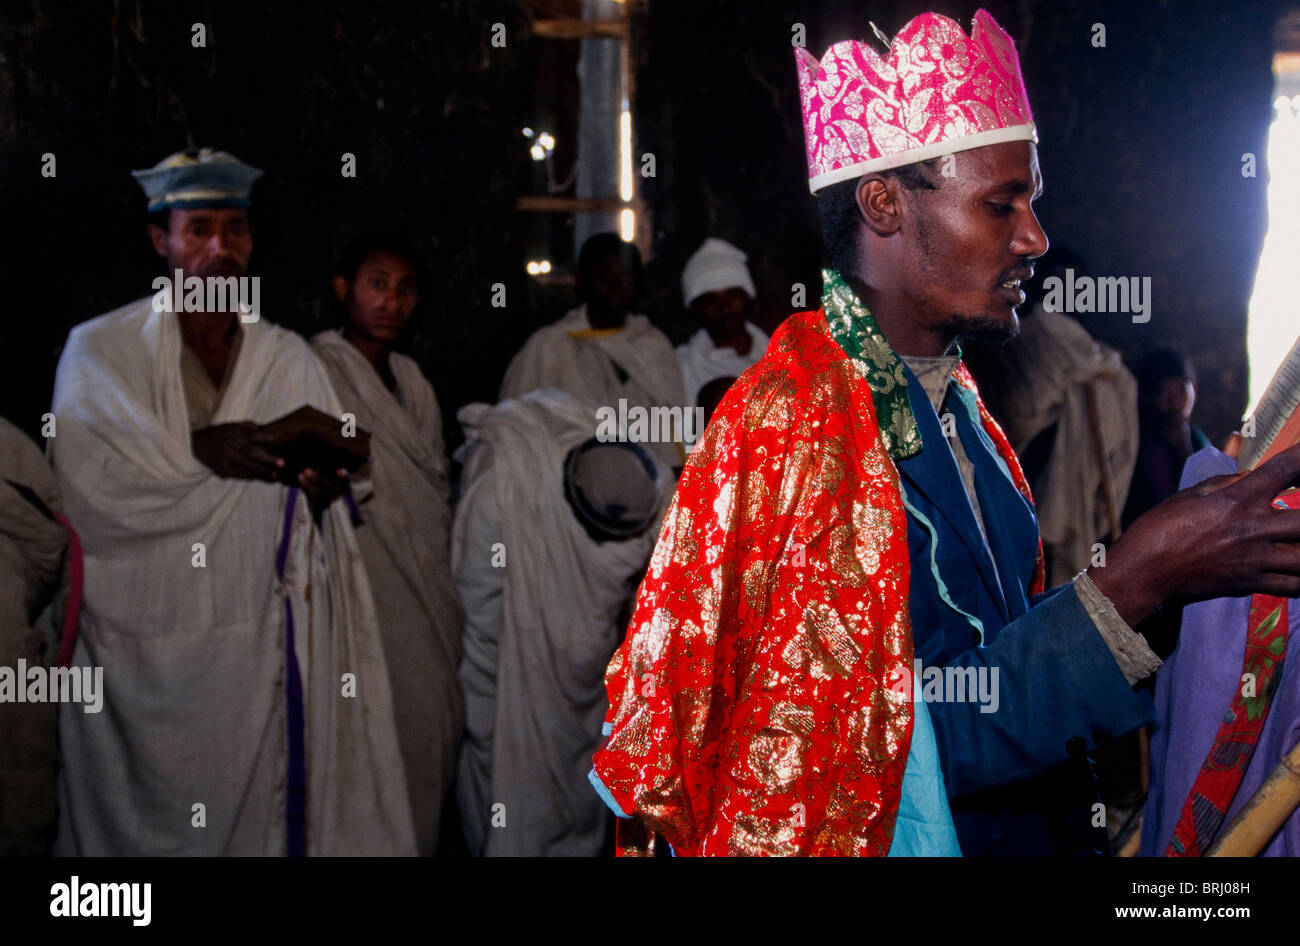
(602, 352)
(719, 291)
(405, 526)
(1038, 387)
(246, 707)
(551, 536)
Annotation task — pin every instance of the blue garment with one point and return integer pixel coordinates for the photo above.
(1059, 689)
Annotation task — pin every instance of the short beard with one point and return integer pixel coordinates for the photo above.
(982, 329)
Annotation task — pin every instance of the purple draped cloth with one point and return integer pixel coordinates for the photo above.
(1194, 689)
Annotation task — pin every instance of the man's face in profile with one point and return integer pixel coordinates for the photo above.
(205, 241)
(973, 239)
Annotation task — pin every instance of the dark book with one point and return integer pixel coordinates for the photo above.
(312, 439)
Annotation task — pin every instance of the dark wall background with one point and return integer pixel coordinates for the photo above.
(1140, 142)
(415, 91)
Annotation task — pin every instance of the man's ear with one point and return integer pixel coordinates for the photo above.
(340, 288)
(158, 237)
(879, 203)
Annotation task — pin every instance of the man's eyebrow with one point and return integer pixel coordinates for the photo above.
(1013, 187)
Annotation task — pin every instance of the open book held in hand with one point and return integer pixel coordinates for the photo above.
(309, 438)
(1275, 420)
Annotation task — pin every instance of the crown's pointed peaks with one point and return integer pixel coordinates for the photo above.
(937, 90)
(986, 32)
(984, 26)
(921, 25)
(924, 23)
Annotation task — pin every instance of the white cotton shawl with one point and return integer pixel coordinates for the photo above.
(404, 538)
(702, 361)
(539, 631)
(189, 755)
(1042, 378)
(573, 357)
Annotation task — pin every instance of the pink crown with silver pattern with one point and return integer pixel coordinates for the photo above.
(938, 92)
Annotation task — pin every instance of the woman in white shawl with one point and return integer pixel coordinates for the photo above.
(404, 512)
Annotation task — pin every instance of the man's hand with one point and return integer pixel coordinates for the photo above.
(1220, 538)
(322, 489)
(236, 451)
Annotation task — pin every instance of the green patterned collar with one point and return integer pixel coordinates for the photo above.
(853, 327)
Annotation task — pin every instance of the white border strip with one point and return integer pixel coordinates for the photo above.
(887, 162)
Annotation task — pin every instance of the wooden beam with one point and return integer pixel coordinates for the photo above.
(549, 204)
(580, 29)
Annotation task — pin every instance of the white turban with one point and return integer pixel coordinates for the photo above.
(717, 265)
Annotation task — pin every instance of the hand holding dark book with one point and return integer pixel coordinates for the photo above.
(309, 439)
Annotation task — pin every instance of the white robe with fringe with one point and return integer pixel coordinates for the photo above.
(190, 752)
(405, 537)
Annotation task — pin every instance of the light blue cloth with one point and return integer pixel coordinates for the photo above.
(924, 827)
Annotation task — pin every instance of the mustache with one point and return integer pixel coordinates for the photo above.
(223, 266)
(1024, 271)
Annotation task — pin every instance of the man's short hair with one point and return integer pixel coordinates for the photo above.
(601, 246)
(357, 250)
(837, 205)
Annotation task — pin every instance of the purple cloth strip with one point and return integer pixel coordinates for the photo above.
(353, 511)
(296, 807)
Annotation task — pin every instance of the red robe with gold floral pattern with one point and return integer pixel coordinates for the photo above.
(760, 702)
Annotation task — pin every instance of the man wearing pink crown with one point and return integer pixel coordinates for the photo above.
(843, 644)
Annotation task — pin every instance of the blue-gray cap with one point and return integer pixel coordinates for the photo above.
(197, 177)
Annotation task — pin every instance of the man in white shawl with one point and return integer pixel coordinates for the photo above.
(1038, 387)
(405, 525)
(551, 536)
(604, 353)
(246, 704)
(719, 291)
(32, 548)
